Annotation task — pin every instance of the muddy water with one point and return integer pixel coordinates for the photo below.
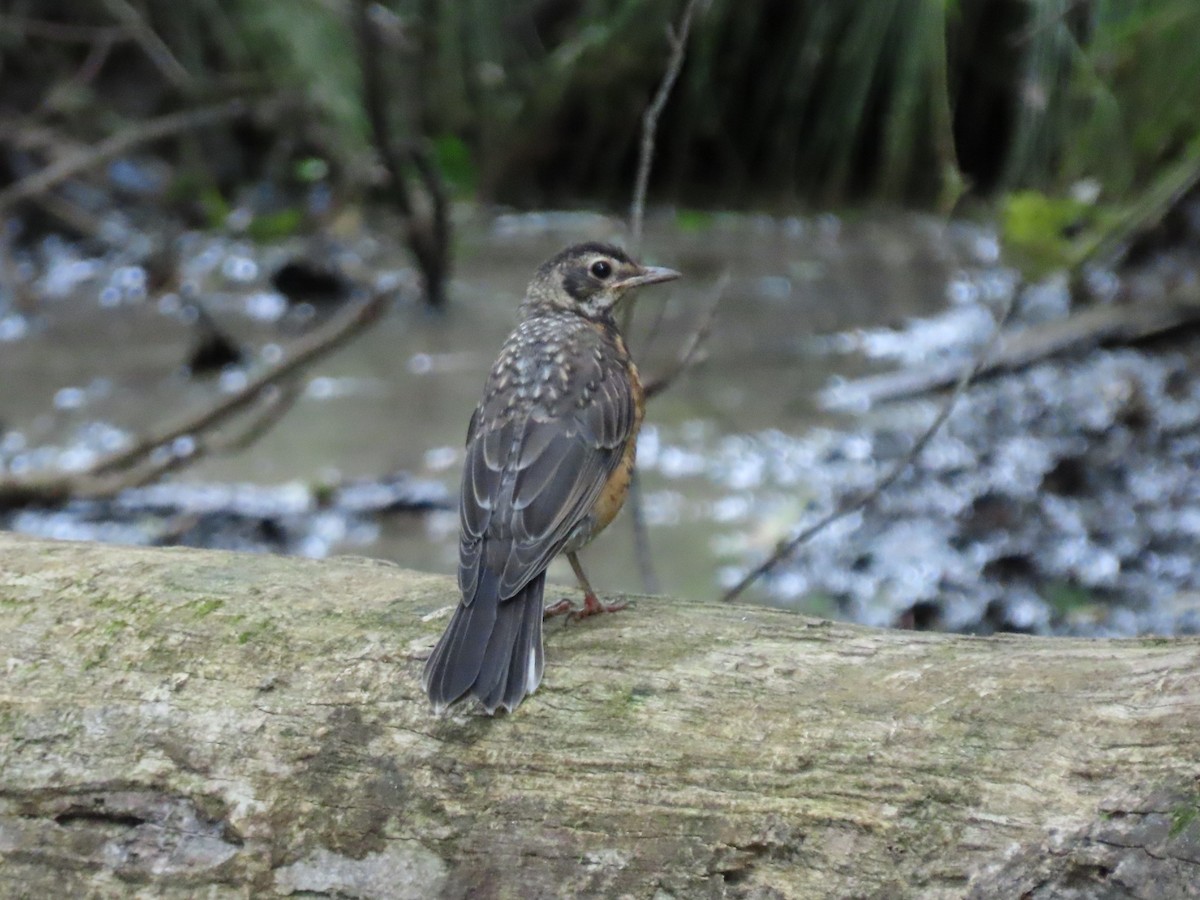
(400, 397)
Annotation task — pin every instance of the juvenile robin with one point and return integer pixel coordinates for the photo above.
(550, 452)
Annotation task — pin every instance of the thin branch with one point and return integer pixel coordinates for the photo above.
(641, 536)
(111, 147)
(691, 352)
(431, 244)
(82, 221)
(787, 548)
(63, 32)
(91, 67)
(677, 38)
(277, 400)
(655, 329)
(152, 45)
(678, 41)
(306, 349)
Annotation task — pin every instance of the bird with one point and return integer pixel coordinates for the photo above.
(549, 456)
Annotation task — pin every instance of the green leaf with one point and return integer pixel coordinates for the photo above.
(1044, 231)
(690, 221)
(276, 225)
(457, 166)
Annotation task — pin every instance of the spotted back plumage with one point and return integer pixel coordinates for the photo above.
(559, 417)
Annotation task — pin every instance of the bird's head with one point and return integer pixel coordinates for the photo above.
(589, 280)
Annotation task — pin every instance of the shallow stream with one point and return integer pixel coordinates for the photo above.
(734, 455)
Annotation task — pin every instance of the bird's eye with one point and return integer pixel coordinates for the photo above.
(601, 269)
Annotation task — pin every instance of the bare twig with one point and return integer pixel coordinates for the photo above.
(677, 37)
(375, 106)
(63, 32)
(277, 400)
(98, 55)
(430, 242)
(152, 45)
(788, 547)
(144, 132)
(637, 213)
(641, 536)
(655, 329)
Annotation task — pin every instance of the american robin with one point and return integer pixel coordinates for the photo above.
(550, 451)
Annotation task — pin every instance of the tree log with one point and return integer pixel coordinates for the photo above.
(182, 723)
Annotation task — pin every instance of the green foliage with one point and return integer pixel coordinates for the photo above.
(1046, 232)
(309, 46)
(1066, 598)
(1135, 92)
(275, 226)
(1183, 815)
(787, 100)
(453, 157)
(822, 606)
(310, 170)
(778, 102)
(202, 608)
(691, 221)
(215, 207)
(824, 99)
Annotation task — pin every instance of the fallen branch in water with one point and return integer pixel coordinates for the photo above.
(173, 445)
(1018, 349)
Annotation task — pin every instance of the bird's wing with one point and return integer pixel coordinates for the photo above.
(532, 474)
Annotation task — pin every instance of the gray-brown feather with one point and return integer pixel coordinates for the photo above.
(556, 414)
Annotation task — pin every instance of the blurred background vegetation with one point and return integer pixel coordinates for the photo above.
(538, 102)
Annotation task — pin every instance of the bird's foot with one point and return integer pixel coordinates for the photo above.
(592, 607)
(562, 607)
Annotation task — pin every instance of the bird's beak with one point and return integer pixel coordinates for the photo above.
(647, 275)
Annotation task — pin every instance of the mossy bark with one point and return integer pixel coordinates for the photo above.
(179, 723)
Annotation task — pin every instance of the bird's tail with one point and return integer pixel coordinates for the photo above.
(491, 650)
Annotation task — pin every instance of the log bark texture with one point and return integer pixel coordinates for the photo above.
(180, 723)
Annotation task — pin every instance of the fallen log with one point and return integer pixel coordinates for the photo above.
(178, 723)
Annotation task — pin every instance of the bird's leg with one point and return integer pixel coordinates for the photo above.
(591, 605)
